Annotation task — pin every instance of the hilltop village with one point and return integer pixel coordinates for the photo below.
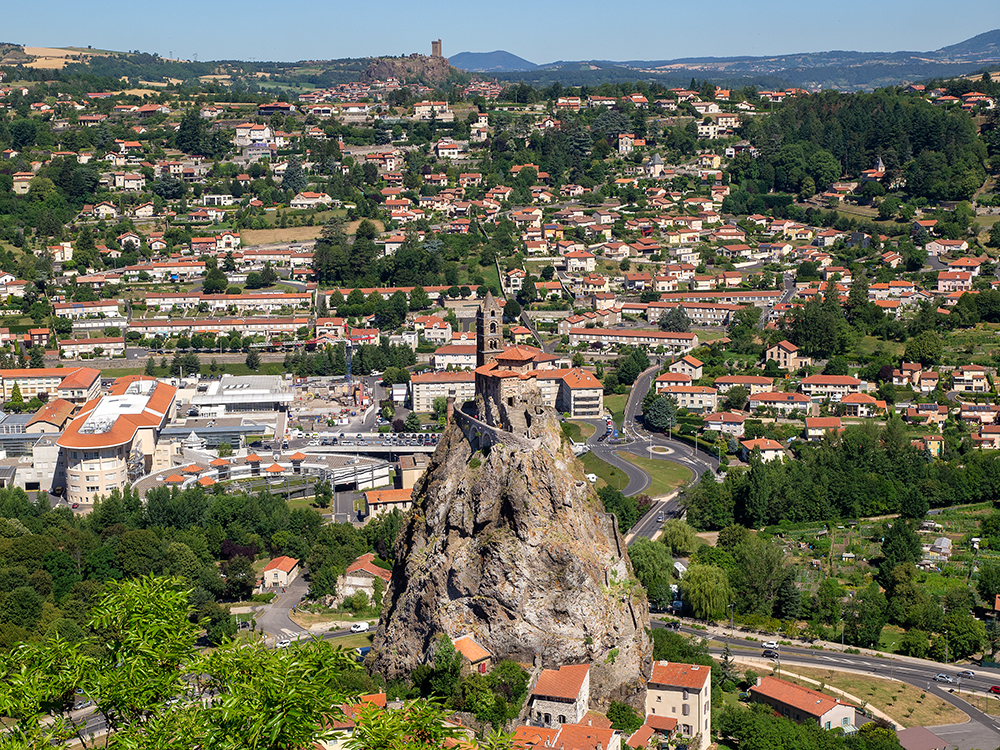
(743, 341)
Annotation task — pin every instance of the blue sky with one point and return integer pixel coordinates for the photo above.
(538, 30)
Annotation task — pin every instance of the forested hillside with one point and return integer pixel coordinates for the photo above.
(934, 151)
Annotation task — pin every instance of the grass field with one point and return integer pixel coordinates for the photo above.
(910, 706)
(616, 405)
(607, 475)
(230, 368)
(664, 476)
(579, 431)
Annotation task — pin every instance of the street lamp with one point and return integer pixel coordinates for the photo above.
(730, 608)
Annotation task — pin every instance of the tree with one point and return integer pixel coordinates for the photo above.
(254, 280)
(900, 544)
(624, 718)
(215, 282)
(661, 415)
(653, 567)
(253, 360)
(150, 369)
(419, 299)
(625, 509)
(988, 583)
(323, 493)
(736, 397)
(512, 310)
(925, 347)
(412, 423)
(269, 276)
(36, 358)
(706, 590)
(865, 616)
(678, 537)
(240, 577)
(675, 319)
(225, 450)
(294, 179)
(966, 635)
(16, 399)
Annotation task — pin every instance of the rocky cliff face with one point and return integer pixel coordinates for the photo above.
(427, 69)
(509, 543)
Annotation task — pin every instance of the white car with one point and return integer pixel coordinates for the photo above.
(769, 644)
(283, 644)
(592, 478)
(313, 442)
(360, 627)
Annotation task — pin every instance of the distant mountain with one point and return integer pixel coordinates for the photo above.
(845, 70)
(983, 45)
(498, 61)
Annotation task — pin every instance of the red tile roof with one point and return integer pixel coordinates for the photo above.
(284, 563)
(563, 683)
(367, 563)
(675, 674)
(801, 698)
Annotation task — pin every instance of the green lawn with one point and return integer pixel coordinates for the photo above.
(607, 475)
(578, 431)
(616, 405)
(664, 476)
(358, 640)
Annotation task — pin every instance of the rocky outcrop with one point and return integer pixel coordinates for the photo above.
(409, 68)
(508, 542)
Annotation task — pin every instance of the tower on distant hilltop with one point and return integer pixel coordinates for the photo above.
(489, 331)
(436, 48)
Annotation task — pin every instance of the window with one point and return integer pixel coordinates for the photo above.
(826, 725)
(686, 709)
(93, 489)
(845, 722)
(562, 719)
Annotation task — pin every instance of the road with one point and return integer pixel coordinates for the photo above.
(981, 731)
(640, 443)
(274, 620)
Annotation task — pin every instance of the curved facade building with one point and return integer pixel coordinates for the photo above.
(112, 440)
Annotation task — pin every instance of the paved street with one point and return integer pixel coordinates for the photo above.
(980, 731)
(274, 619)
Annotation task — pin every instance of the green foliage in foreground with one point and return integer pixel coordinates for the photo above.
(140, 665)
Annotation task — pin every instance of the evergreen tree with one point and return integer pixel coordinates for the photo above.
(253, 360)
(294, 179)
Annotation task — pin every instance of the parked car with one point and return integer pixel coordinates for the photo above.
(967, 674)
(360, 627)
(770, 644)
(942, 677)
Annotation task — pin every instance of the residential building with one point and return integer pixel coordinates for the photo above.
(725, 422)
(753, 383)
(361, 576)
(833, 387)
(560, 696)
(280, 572)
(781, 401)
(479, 658)
(786, 354)
(426, 387)
(770, 450)
(698, 398)
(455, 356)
(802, 704)
(385, 501)
(817, 427)
(970, 379)
(687, 365)
(75, 384)
(682, 692)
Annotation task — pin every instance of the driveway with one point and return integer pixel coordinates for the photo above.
(273, 620)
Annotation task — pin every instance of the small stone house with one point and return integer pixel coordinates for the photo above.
(361, 576)
(561, 696)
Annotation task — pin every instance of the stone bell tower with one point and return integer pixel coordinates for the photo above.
(489, 330)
